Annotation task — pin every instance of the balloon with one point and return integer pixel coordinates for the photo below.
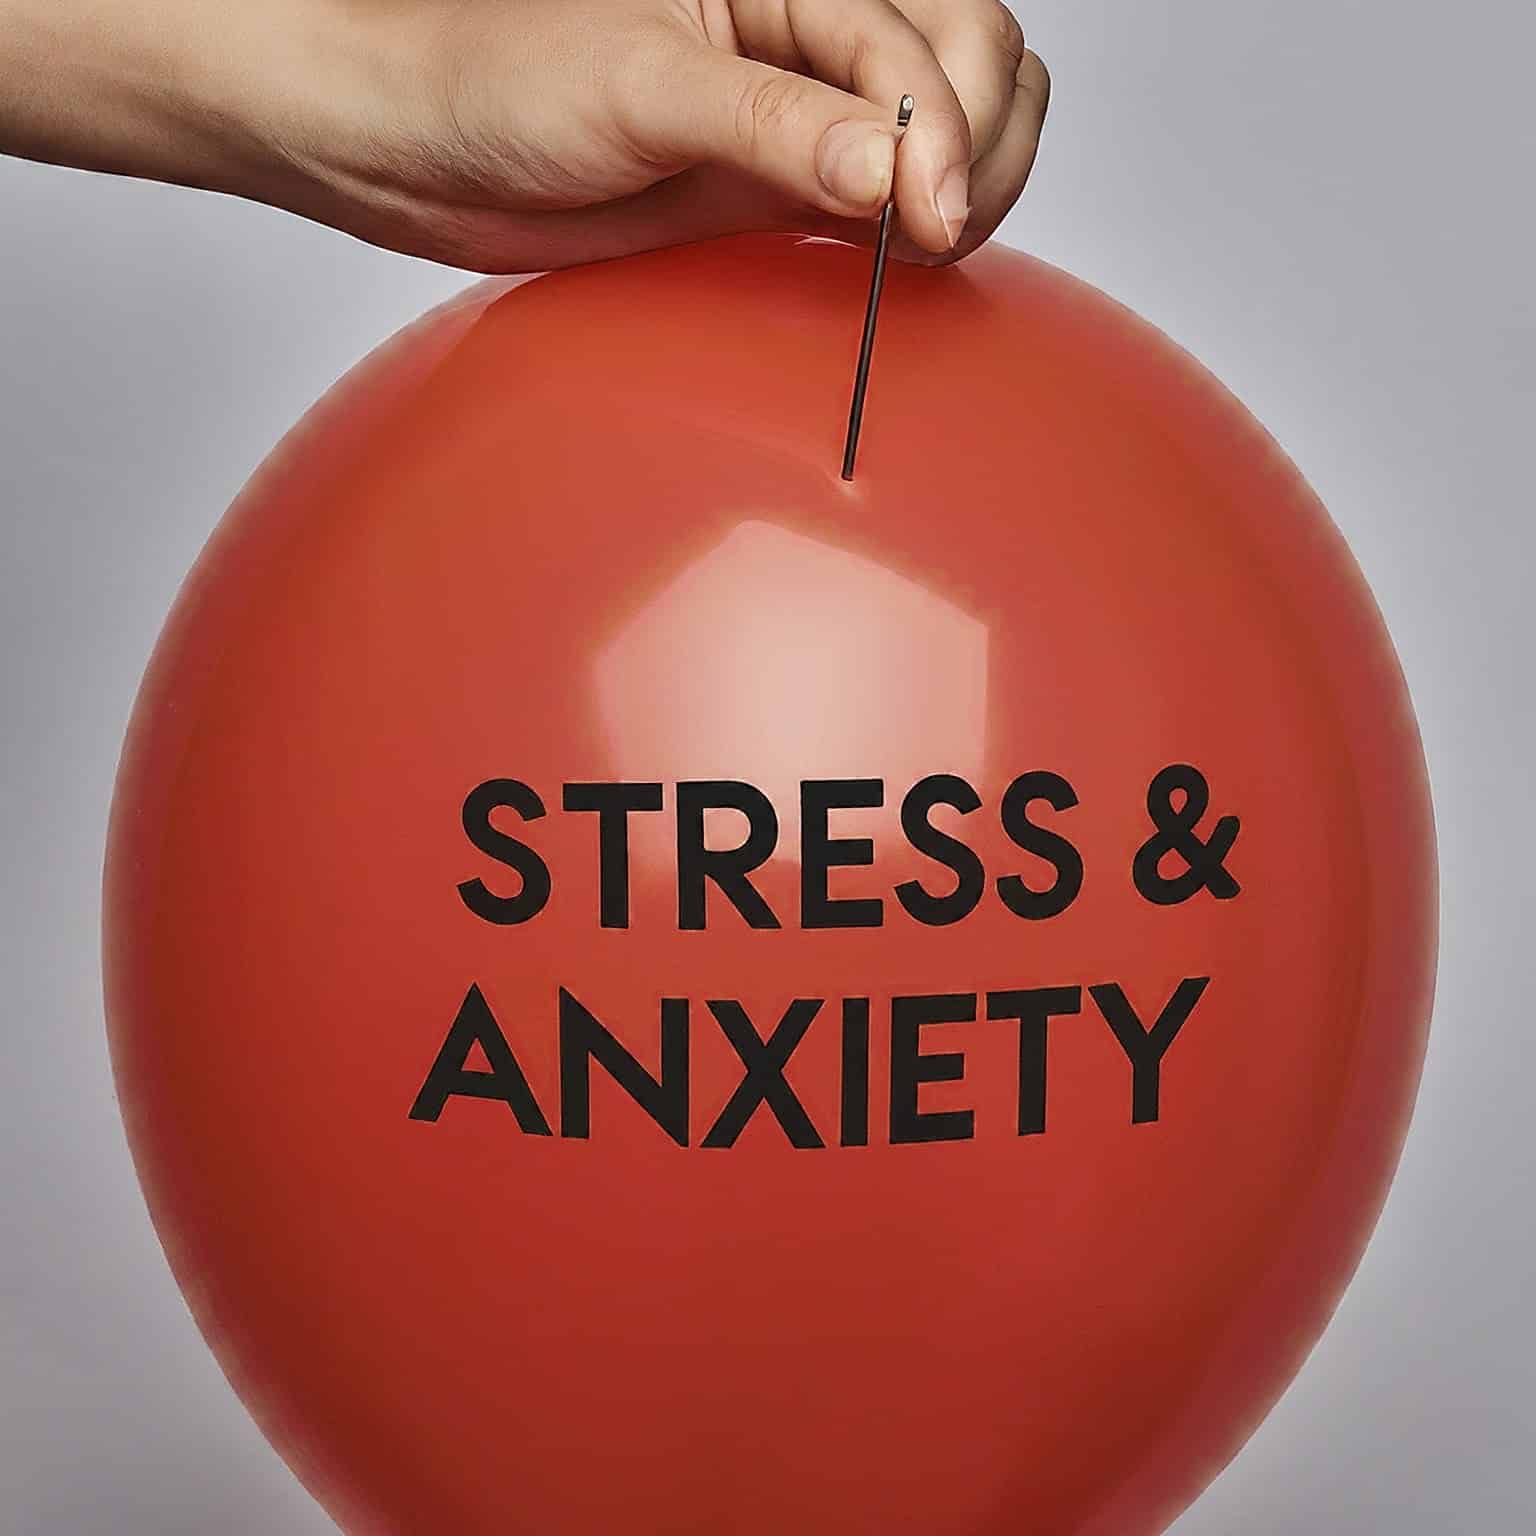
(657, 990)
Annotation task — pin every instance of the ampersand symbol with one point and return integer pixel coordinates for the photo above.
(1176, 834)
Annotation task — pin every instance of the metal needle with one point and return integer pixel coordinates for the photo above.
(872, 312)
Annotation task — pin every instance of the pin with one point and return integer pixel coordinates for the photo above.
(872, 312)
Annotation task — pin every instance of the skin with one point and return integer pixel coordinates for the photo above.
(520, 135)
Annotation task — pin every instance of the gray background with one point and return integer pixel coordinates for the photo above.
(1329, 201)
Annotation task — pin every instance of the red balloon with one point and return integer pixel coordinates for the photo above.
(656, 990)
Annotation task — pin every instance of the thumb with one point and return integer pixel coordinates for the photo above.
(819, 145)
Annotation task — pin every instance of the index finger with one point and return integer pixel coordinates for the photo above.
(980, 47)
(870, 48)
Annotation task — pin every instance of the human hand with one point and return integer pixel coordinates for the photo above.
(506, 136)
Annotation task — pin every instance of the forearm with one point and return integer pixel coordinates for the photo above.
(208, 94)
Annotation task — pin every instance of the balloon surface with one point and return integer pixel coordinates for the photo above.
(654, 990)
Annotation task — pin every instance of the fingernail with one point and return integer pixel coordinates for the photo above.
(953, 202)
(854, 162)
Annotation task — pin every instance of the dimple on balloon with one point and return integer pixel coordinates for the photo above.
(655, 989)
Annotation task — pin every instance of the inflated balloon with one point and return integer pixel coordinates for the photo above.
(658, 991)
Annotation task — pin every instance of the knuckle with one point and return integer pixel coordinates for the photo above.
(860, 53)
(766, 107)
(1034, 77)
(1003, 30)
